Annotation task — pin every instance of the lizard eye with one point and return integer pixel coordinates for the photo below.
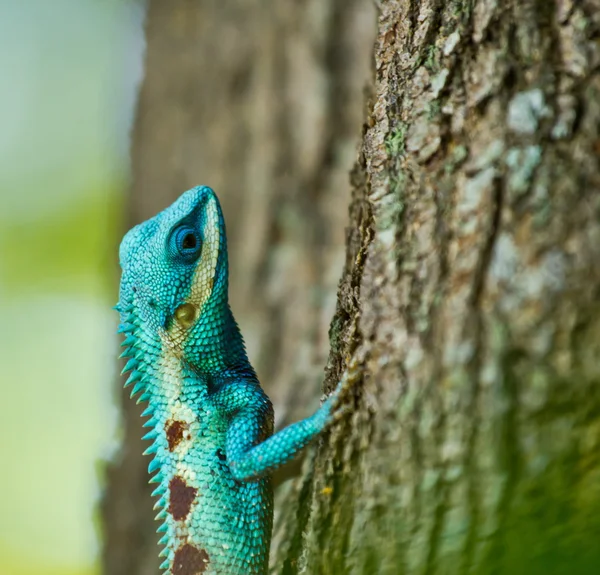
(187, 242)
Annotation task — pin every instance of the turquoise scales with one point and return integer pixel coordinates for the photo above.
(210, 422)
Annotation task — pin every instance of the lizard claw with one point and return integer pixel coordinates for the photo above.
(338, 407)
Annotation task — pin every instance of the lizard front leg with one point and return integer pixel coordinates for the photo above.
(251, 451)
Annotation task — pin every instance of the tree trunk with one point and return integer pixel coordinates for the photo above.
(469, 309)
(263, 101)
(468, 315)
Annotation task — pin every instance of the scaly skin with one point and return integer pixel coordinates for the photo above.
(210, 421)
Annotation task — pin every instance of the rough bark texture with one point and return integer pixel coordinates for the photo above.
(469, 308)
(263, 101)
(468, 315)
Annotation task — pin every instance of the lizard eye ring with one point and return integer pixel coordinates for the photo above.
(187, 243)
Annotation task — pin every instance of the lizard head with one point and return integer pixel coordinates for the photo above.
(174, 276)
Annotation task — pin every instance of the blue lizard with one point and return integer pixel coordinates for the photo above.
(210, 421)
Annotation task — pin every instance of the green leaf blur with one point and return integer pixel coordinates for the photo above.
(70, 72)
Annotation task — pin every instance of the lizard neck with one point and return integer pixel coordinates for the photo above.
(215, 345)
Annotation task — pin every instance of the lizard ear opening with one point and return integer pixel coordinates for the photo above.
(186, 315)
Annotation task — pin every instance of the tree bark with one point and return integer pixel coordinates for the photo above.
(468, 314)
(263, 101)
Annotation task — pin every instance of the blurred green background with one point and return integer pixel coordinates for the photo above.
(69, 70)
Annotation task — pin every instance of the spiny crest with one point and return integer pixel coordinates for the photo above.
(134, 352)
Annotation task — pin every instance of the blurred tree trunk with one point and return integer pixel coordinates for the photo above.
(468, 314)
(263, 101)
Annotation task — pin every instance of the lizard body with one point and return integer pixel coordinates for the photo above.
(210, 422)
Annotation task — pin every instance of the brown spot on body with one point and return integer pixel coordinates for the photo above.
(174, 432)
(189, 560)
(181, 497)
